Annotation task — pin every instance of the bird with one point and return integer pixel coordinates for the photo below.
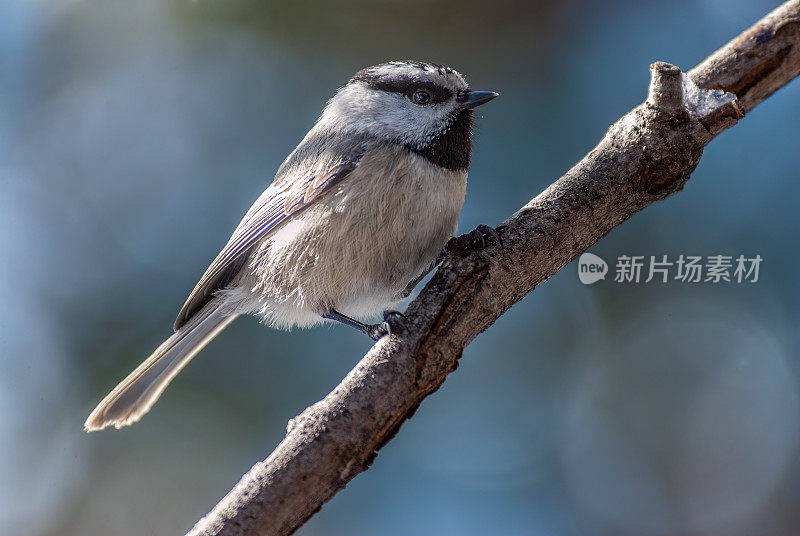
(355, 217)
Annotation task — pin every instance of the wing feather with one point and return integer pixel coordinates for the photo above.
(296, 187)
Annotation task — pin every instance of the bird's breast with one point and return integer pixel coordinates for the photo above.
(404, 210)
(357, 248)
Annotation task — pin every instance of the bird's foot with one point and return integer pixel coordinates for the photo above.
(393, 323)
(376, 331)
(474, 240)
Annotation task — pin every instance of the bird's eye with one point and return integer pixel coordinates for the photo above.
(422, 97)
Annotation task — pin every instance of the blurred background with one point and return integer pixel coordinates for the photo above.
(134, 135)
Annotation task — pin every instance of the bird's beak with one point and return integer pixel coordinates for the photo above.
(476, 98)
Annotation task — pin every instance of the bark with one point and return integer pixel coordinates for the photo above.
(644, 157)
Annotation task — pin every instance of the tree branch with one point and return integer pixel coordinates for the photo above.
(644, 157)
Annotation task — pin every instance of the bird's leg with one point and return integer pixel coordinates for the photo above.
(475, 240)
(410, 287)
(373, 331)
(466, 243)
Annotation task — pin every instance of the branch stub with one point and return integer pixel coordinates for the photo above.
(666, 88)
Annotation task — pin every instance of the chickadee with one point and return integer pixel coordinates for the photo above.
(356, 215)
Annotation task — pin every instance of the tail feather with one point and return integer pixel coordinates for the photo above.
(138, 392)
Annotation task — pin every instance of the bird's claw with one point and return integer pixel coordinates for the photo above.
(393, 323)
(393, 316)
(377, 331)
(474, 240)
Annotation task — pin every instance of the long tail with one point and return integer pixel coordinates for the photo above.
(138, 392)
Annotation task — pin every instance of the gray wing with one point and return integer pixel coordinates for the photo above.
(307, 175)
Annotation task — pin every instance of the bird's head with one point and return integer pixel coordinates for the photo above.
(424, 106)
